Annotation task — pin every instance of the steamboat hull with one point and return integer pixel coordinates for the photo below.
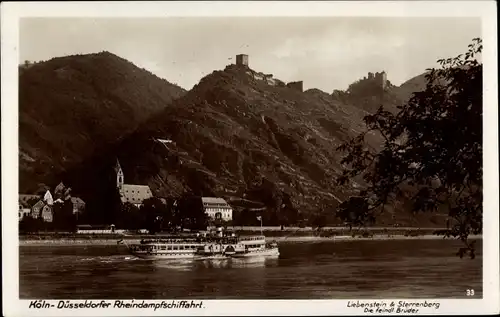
(274, 252)
(164, 256)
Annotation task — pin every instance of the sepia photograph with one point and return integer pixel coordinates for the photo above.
(184, 159)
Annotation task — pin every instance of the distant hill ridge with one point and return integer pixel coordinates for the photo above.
(237, 137)
(71, 106)
(233, 135)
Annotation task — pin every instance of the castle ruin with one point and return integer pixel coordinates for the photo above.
(296, 85)
(374, 82)
(381, 79)
(242, 60)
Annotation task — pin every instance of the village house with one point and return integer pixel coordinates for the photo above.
(43, 208)
(62, 192)
(26, 203)
(37, 209)
(23, 212)
(78, 205)
(34, 206)
(214, 205)
(134, 194)
(47, 213)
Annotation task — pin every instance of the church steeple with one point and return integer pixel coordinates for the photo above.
(119, 175)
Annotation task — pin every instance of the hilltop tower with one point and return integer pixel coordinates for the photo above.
(242, 60)
(119, 176)
(381, 79)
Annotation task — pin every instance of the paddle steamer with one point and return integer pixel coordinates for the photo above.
(219, 245)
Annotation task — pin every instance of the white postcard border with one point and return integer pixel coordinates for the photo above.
(10, 14)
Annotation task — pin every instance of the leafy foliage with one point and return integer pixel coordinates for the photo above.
(31, 225)
(157, 215)
(431, 155)
(191, 213)
(131, 217)
(64, 219)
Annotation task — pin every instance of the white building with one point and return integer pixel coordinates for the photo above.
(23, 212)
(215, 205)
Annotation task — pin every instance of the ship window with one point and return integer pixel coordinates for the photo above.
(175, 247)
(163, 247)
(169, 247)
(181, 247)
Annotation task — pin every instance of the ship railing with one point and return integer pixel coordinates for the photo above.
(198, 240)
(252, 239)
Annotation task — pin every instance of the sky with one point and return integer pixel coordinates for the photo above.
(326, 53)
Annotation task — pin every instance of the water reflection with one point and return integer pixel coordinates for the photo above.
(254, 262)
(229, 263)
(175, 265)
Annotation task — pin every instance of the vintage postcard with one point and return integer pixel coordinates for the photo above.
(250, 158)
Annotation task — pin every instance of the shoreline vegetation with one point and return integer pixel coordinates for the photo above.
(340, 234)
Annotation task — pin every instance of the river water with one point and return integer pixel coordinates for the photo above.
(304, 270)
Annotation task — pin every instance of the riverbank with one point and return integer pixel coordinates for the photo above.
(285, 239)
(375, 237)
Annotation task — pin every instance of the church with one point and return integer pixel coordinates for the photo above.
(134, 194)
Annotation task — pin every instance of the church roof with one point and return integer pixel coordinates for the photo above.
(135, 194)
(77, 200)
(48, 198)
(39, 204)
(214, 200)
(59, 187)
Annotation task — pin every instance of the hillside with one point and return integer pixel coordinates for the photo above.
(240, 138)
(412, 85)
(72, 107)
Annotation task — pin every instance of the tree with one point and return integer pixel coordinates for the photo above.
(431, 154)
(131, 217)
(30, 225)
(318, 221)
(245, 217)
(103, 200)
(192, 213)
(64, 219)
(32, 201)
(156, 214)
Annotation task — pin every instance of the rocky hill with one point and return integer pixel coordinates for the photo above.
(412, 85)
(245, 140)
(70, 108)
